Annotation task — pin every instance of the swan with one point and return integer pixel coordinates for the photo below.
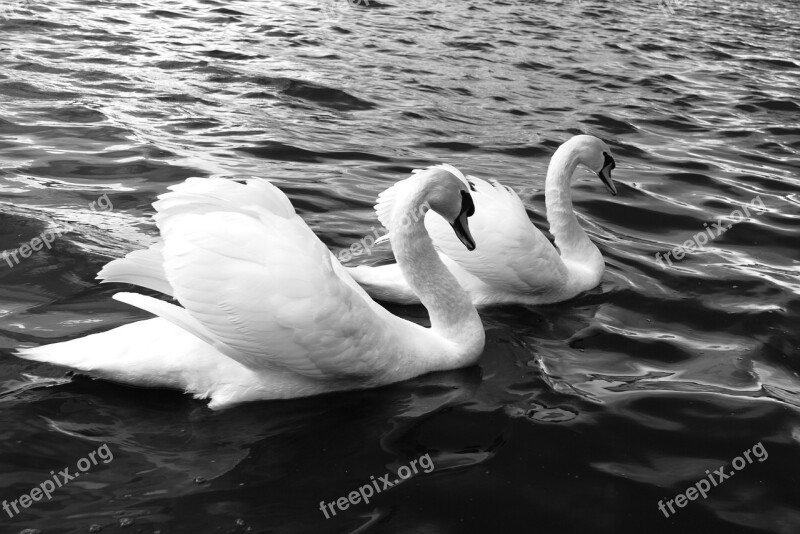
(266, 311)
(514, 262)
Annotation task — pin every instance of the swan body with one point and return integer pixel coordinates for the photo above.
(514, 262)
(266, 311)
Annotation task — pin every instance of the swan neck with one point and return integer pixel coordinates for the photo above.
(570, 238)
(452, 314)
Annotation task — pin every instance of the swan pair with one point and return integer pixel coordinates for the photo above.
(267, 312)
(513, 261)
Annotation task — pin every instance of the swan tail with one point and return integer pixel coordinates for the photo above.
(155, 353)
(141, 267)
(177, 316)
(384, 207)
(107, 353)
(140, 353)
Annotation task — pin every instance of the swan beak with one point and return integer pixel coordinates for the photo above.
(605, 173)
(461, 228)
(460, 225)
(605, 176)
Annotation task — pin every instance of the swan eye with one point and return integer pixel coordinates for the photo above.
(608, 161)
(467, 205)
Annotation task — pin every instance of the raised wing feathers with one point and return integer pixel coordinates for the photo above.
(143, 268)
(511, 253)
(202, 195)
(268, 290)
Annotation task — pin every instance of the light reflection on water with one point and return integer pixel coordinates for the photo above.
(655, 368)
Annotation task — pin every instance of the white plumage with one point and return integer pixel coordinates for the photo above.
(266, 311)
(513, 261)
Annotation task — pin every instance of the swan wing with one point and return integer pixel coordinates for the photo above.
(144, 268)
(511, 253)
(203, 195)
(266, 291)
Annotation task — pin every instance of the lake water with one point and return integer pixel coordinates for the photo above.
(579, 417)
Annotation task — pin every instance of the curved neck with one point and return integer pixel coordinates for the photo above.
(452, 314)
(571, 240)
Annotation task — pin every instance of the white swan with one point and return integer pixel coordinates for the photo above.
(267, 311)
(514, 262)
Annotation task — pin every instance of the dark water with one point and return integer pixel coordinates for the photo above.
(580, 416)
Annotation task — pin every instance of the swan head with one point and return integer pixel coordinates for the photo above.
(448, 195)
(596, 155)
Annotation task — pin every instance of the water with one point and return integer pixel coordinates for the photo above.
(580, 416)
